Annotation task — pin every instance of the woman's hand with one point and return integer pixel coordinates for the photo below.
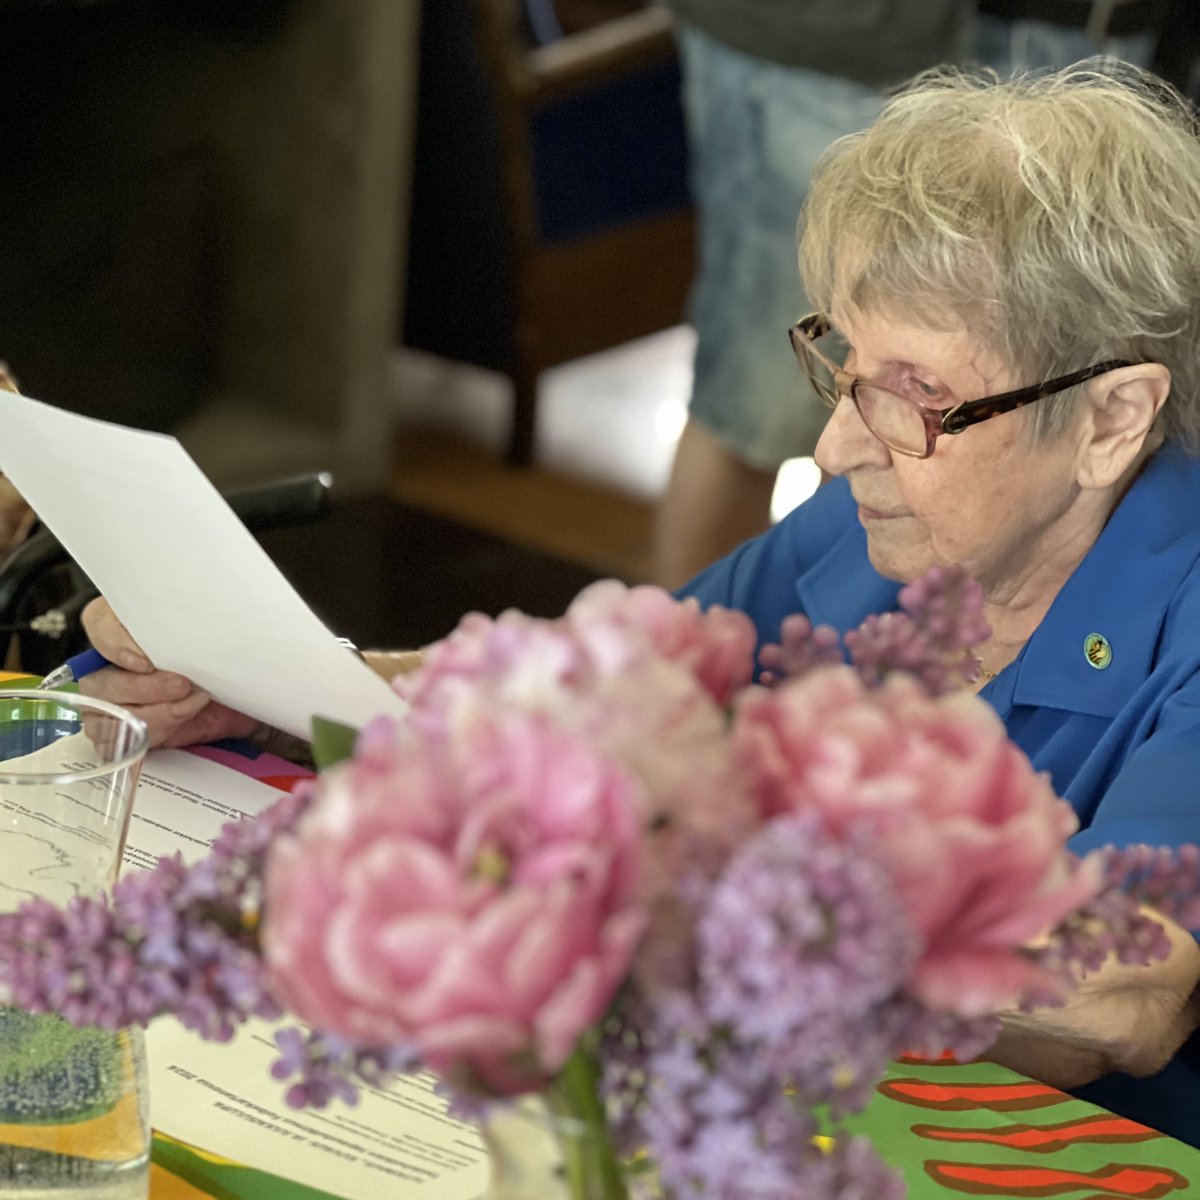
(1121, 1018)
(390, 663)
(175, 711)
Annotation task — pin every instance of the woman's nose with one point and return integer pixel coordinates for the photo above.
(846, 442)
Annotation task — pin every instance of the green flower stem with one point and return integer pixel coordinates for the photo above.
(592, 1168)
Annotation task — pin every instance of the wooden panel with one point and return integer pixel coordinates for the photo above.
(592, 524)
(587, 295)
(595, 55)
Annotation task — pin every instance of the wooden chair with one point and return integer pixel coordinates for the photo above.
(598, 231)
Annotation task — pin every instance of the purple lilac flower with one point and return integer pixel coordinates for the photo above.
(231, 874)
(332, 1068)
(856, 1172)
(801, 648)
(735, 1133)
(941, 620)
(1164, 878)
(1114, 922)
(801, 943)
(948, 606)
(800, 926)
(929, 1033)
(800, 953)
(173, 939)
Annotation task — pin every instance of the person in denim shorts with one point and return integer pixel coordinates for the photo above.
(768, 85)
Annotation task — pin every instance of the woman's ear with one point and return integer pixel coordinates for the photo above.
(1121, 408)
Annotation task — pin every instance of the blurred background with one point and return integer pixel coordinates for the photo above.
(440, 248)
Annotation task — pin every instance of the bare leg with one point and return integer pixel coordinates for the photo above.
(714, 502)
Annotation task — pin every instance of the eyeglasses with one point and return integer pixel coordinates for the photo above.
(900, 422)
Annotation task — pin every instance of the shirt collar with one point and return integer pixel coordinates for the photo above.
(1120, 591)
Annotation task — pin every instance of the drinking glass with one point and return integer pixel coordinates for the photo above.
(74, 1113)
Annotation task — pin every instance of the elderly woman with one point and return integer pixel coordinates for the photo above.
(1009, 339)
(1009, 342)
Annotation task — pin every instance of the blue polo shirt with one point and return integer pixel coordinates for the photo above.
(1121, 743)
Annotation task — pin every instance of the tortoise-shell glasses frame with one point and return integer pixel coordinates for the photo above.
(935, 421)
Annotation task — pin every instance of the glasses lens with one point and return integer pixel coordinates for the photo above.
(892, 419)
(818, 371)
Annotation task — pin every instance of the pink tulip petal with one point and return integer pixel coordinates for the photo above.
(575, 1004)
(971, 983)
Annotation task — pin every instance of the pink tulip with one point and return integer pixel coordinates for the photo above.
(716, 646)
(477, 903)
(972, 834)
(641, 678)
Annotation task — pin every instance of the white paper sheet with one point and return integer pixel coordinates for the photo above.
(186, 577)
(398, 1142)
(181, 803)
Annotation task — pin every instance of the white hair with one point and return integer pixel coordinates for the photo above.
(1056, 215)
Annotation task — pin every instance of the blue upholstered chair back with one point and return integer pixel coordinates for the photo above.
(613, 153)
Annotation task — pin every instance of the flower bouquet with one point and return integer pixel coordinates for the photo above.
(694, 914)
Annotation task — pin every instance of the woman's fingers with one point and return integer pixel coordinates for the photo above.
(163, 700)
(390, 663)
(173, 715)
(111, 638)
(213, 722)
(132, 690)
(175, 711)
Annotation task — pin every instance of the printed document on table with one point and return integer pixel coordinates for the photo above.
(182, 572)
(399, 1141)
(181, 803)
(51, 840)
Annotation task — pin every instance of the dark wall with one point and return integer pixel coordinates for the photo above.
(458, 300)
(114, 206)
(1178, 56)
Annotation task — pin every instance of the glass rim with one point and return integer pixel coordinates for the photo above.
(77, 700)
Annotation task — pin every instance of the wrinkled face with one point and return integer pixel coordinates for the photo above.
(990, 498)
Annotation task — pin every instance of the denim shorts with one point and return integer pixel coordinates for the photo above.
(756, 130)
(1036, 46)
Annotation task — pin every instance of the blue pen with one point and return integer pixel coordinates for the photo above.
(75, 668)
(79, 665)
